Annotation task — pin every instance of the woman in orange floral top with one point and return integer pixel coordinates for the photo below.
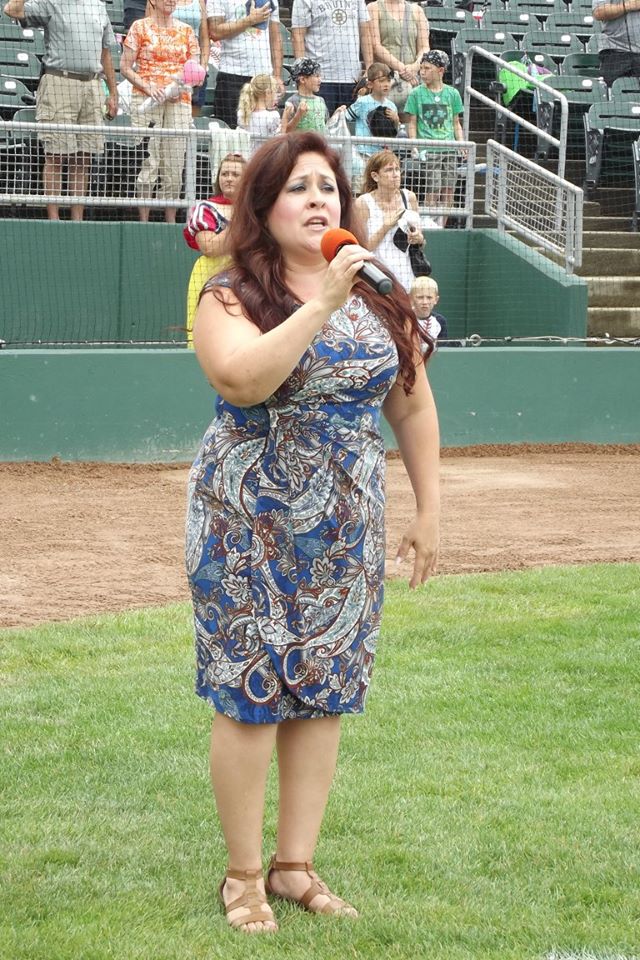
(159, 46)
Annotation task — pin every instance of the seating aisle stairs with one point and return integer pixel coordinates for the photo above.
(611, 250)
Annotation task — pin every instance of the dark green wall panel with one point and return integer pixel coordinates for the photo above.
(128, 281)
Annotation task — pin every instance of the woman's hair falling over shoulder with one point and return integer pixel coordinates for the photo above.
(257, 277)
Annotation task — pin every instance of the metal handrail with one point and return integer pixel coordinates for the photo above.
(514, 67)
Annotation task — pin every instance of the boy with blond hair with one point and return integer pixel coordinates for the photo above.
(424, 297)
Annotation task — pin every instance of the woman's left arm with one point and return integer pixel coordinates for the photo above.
(422, 37)
(414, 421)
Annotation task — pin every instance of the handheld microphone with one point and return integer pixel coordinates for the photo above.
(334, 240)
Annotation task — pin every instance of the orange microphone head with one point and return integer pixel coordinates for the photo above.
(333, 241)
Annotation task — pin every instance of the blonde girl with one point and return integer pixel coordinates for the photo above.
(256, 108)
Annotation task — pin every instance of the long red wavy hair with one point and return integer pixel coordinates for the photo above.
(257, 276)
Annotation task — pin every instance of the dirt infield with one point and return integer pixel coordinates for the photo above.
(89, 538)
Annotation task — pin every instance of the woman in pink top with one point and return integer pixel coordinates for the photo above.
(159, 47)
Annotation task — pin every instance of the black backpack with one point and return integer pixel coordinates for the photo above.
(379, 123)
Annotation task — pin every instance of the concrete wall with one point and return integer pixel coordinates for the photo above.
(153, 405)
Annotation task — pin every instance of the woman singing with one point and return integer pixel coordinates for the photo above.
(285, 529)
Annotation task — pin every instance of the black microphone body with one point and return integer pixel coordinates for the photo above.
(372, 275)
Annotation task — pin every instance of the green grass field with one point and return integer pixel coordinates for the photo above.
(487, 806)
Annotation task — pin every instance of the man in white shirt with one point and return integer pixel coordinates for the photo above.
(336, 33)
(251, 43)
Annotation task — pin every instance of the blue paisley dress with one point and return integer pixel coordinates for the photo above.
(285, 533)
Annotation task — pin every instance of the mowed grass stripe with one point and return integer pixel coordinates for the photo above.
(486, 805)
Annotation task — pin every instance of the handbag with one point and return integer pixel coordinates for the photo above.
(420, 266)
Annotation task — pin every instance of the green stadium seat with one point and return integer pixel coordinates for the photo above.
(582, 65)
(581, 6)
(555, 43)
(19, 156)
(13, 34)
(515, 22)
(13, 96)
(625, 88)
(579, 23)
(581, 93)
(444, 24)
(610, 130)
(593, 44)
(19, 64)
(539, 10)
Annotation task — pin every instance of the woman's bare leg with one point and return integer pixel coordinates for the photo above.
(307, 754)
(239, 763)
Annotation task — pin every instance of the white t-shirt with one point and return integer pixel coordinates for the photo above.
(249, 52)
(333, 35)
(262, 125)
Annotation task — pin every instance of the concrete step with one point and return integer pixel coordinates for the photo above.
(615, 321)
(611, 239)
(602, 261)
(616, 291)
(616, 224)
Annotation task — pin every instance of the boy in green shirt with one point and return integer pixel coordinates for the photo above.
(434, 110)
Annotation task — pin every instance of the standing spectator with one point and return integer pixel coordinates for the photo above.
(78, 38)
(400, 37)
(194, 12)
(206, 231)
(337, 35)
(434, 110)
(250, 43)
(256, 108)
(619, 40)
(160, 46)
(389, 216)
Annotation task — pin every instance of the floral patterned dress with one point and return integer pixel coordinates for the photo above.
(285, 533)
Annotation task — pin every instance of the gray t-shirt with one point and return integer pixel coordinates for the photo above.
(75, 32)
(333, 35)
(622, 34)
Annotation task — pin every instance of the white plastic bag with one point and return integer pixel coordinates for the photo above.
(337, 128)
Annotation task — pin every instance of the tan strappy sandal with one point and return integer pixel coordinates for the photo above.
(252, 899)
(317, 887)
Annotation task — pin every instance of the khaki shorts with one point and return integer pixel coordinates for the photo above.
(61, 100)
(440, 171)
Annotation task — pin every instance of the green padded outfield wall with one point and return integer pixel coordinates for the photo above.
(127, 281)
(154, 405)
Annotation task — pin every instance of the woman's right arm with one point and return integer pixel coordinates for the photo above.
(244, 365)
(362, 215)
(127, 71)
